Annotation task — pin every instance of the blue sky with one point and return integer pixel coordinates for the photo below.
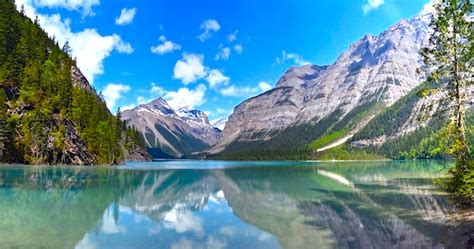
(206, 54)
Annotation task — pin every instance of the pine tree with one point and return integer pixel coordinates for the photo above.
(449, 63)
(67, 48)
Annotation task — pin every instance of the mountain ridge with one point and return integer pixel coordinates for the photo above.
(374, 72)
(169, 132)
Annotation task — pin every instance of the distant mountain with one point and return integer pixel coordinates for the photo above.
(169, 132)
(332, 102)
(220, 123)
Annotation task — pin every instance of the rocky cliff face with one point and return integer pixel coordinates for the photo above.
(79, 80)
(375, 69)
(174, 132)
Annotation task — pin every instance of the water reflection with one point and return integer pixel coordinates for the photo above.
(328, 205)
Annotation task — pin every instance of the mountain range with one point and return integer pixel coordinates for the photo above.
(313, 101)
(367, 98)
(169, 132)
(365, 105)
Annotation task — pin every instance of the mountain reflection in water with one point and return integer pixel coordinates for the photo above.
(246, 205)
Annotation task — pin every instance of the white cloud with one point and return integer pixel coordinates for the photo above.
(297, 59)
(186, 97)
(89, 57)
(428, 7)
(127, 107)
(154, 92)
(238, 48)
(232, 37)
(264, 86)
(123, 47)
(126, 16)
(209, 26)
(157, 90)
(236, 91)
(216, 78)
(183, 244)
(190, 68)
(224, 53)
(371, 5)
(113, 92)
(84, 6)
(141, 100)
(165, 47)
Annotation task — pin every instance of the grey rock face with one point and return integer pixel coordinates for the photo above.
(79, 80)
(374, 69)
(177, 132)
(298, 76)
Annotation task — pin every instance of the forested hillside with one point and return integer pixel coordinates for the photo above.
(384, 135)
(49, 112)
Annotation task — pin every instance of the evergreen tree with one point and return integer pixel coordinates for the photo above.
(35, 80)
(449, 62)
(67, 48)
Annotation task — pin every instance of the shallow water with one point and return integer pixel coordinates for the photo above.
(210, 204)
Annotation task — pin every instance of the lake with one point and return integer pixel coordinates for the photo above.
(213, 204)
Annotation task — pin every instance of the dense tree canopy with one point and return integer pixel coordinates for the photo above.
(39, 101)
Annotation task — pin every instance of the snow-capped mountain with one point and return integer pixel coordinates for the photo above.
(219, 123)
(375, 70)
(172, 132)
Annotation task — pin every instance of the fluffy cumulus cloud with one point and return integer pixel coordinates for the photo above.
(191, 98)
(126, 16)
(113, 92)
(157, 90)
(165, 46)
(295, 58)
(371, 5)
(216, 78)
(83, 6)
(154, 92)
(209, 26)
(190, 68)
(89, 58)
(223, 54)
(236, 91)
(264, 86)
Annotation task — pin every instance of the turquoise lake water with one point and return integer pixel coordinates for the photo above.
(212, 204)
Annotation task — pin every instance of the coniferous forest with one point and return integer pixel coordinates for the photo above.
(47, 115)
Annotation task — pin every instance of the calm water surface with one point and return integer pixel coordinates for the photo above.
(209, 204)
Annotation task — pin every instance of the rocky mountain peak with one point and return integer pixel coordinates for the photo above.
(159, 106)
(194, 115)
(373, 69)
(299, 76)
(172, 132)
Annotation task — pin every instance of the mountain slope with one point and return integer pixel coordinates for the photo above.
(170, 132)
(313, 101)
(48, 111)
(411, 128)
